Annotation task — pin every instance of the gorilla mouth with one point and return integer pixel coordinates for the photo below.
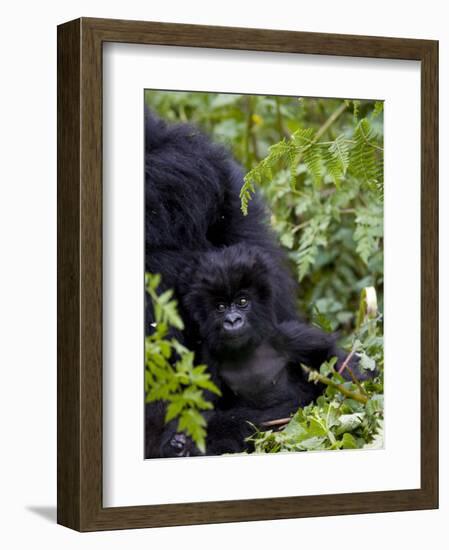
(235, 336)
(235, 331)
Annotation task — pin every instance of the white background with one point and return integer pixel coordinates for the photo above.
(28, 274)
(128, 480)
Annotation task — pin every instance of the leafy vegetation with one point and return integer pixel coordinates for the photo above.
(170, 372)
(349, 415)
(319, 165)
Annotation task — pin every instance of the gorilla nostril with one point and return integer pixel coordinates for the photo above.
(233, 321)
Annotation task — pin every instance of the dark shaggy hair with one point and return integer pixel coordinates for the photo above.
(192, 206)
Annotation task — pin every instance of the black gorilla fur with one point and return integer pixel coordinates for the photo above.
(192, 206)
(252, 357)
(193, 218)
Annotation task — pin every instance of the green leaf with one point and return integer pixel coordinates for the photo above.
(174, 409)
(165, 297)
(165, 349)
(313, 236)
(152, 281)
(378, 109)
(172, 317)
(321, 320)
(367, 363)
(193, 423)
(348, 441)
(287, 240)
(179, 348)
(369, 231)
(207, 384)
(246, 192)
(312, 444)
(356, 104)
(365, 158)
(377, 441)
(349, 422)
(310, 152)
(375, 405)
(337, 158)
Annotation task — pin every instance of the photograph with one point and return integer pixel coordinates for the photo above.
(247, 256)
(263, 279)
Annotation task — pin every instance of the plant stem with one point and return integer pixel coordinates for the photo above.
(323, 129)
(315, 376)
(300, 226)
(346, 361)
(282, 130)
(277, 422)
(250, 139)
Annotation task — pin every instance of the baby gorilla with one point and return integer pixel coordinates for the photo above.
(254, 359)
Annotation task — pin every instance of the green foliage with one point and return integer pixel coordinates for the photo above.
(337, 158)
(358, 153)
(365, 161)
(349, 415)
(319, 165)
(170, 371)
(327, 425)
(369, 230)
(326, 199)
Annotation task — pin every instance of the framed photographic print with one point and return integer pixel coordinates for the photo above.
(247, 274)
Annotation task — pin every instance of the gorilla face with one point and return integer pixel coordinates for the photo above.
(230, 298)
(234, 315)
(233, 320)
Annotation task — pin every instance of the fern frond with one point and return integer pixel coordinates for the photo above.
(310, 152)
(369, 229)
(363, 158)
(292, 164)
(313, 160)
(313, 237)
(303, 138)
(336, 158)
(246, 193)
(263, 171)
(378, 109)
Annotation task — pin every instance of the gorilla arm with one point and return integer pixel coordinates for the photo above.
(311, 346)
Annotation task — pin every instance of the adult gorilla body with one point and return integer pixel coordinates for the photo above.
(192, 206)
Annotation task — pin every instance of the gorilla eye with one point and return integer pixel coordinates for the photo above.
(243, 302)
(221, 307)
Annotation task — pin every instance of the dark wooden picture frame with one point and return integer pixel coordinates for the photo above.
(80, 273)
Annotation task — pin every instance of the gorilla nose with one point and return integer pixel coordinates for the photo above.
(233, 321)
